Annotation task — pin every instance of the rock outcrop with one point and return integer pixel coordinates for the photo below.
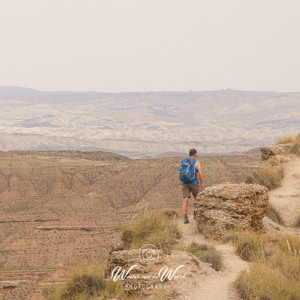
(151, 272)
(277, 154)
(227, 206)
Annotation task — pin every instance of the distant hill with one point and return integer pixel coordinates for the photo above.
(145, 124)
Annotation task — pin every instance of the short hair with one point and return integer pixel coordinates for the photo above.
(192, 152)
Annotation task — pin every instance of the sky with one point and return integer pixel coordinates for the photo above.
(153, 45)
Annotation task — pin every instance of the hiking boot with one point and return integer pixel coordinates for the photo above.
(186, 219)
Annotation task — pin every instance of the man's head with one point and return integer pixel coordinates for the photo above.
(193, 153)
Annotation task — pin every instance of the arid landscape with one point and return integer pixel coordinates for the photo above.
(100, 103)
(147, 123)
(61, 209)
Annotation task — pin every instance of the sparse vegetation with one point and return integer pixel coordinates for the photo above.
(289, 139)
(295, 140)
(85, 284)
(262, 282)
(207, 253)
(195, 247)
(296, 149)
(249, 180)
(297, 223)
(269, 177)
(274, 214)
(171, 213)
(276, 272)
(214, 258)
(285, 140)
(249, 245)
(159, 229)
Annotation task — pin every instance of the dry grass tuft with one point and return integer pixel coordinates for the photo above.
(195, 247)
(214, 258)
(269, 177)
(250, 180)
(249, 245)
(207, 253)
(296, 149)
(86, 283)
(157, 229)
(297, 223)
(273, 276)
(274, 214)
(295, 140)
(262, 282)
(286, 140)
(171, 213)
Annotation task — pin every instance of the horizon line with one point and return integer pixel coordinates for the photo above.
(144, 91)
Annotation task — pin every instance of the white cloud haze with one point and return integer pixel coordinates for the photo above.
(137, 45)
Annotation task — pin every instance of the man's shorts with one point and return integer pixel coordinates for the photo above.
(188, 188)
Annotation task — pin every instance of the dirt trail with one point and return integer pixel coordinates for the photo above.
(286, 199)
(218, 285)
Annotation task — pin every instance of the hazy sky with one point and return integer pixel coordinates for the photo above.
(139, 45)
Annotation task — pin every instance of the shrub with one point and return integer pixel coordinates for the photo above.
(127, 236)
(262, 282)
(270, 177)
(171, 213)
(295, 140)
(249, 180)
(274, 214)
(249, 245)
(207, 253)
(289, 244)
(297, 223)
(296, 149)
(286, 140)
(288, 263)
(85, 284)
(214, 258)
(276, 276)
(195, 247)
(158, 229)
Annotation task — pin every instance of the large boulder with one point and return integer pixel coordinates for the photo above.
(276, 151)
(227, 206)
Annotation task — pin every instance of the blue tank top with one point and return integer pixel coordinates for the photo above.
(195, 181)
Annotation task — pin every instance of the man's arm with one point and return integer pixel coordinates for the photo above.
(200, 174)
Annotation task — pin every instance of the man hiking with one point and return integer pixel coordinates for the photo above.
(188, 173)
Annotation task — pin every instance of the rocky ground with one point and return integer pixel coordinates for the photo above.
(246, 203)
